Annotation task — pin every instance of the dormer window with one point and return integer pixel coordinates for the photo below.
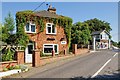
(50, 28)
(30, 28)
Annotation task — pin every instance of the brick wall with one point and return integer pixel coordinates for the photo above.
(7, 63)
(82, 51)
(41, 38)
(20, 57)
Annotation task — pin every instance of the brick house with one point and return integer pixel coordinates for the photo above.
(102, 40)
(52, 38)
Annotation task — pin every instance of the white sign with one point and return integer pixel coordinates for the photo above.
(63, 42)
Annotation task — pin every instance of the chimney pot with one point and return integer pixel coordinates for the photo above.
(51, 9)
(50, 6)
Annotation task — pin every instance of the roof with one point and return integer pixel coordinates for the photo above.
(45, 13)
(98, 32)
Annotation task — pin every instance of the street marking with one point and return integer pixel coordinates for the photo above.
(103, 66)
(115, 54)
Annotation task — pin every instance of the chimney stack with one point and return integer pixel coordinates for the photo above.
(51, 9)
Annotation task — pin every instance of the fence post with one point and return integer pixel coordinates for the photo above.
(36, 58)
(88, 47)
(53, 53)
(65, 51)
(20, 56)
(74, 48)
(1, 67)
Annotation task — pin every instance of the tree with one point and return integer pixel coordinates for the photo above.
(114, 43)
(80, 33)
(7, 28)
(97, 25)
(119, 44)
(9, 23)
(21, 37)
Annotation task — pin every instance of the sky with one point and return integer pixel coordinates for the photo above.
(78, 11)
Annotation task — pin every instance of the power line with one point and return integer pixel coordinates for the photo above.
(40, 5)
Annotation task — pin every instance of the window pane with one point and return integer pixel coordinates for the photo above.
(27, 27)
(30, 48)
(53, 29)
(55, 47)
(48, 50)
(49, 29)
(32, 28)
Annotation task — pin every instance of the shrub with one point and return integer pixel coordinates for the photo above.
(5, 69)
(11, 67)
(8, 54)
(24, 68)
(17, 67)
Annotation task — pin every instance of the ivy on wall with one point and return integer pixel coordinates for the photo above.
(23, 17)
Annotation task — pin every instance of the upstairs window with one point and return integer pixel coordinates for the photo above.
(30, 28)
(50, 28)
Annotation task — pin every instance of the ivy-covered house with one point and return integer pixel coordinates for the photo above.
(46, 30)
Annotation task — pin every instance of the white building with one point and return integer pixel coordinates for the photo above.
(101, 39)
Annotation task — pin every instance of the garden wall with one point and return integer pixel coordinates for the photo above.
(7, 63)
(82, 51)
(19, 60)
(76, 50)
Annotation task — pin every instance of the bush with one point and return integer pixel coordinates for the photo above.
(8, 54)
(11, 68)
(17, 67)
(24, 68)
(5, 69)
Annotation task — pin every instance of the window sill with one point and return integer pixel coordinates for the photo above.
(30, 32)
(49, 53)
(51, 33)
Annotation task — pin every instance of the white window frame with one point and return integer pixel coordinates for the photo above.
(30, 28)
(52, 47)
(51, 28)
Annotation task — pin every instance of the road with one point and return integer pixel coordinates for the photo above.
(93, 64)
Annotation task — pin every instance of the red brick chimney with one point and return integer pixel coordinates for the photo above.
(51, 9)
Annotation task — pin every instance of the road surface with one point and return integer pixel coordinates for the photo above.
(93, 65)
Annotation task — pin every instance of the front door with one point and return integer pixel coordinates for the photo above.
(28, 53)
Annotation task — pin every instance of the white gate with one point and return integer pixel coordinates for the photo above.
(28, 53)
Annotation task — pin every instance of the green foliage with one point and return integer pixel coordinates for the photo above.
(119, 44)
(7, 28)
(9, 22)
(80, 33)
(5, 69)
(11, 68)
(17, 67)
(114, 43)
(97, 25)
(24, 17)
(4, 33)
(24, 67)
(8, 54)
(41, 23)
